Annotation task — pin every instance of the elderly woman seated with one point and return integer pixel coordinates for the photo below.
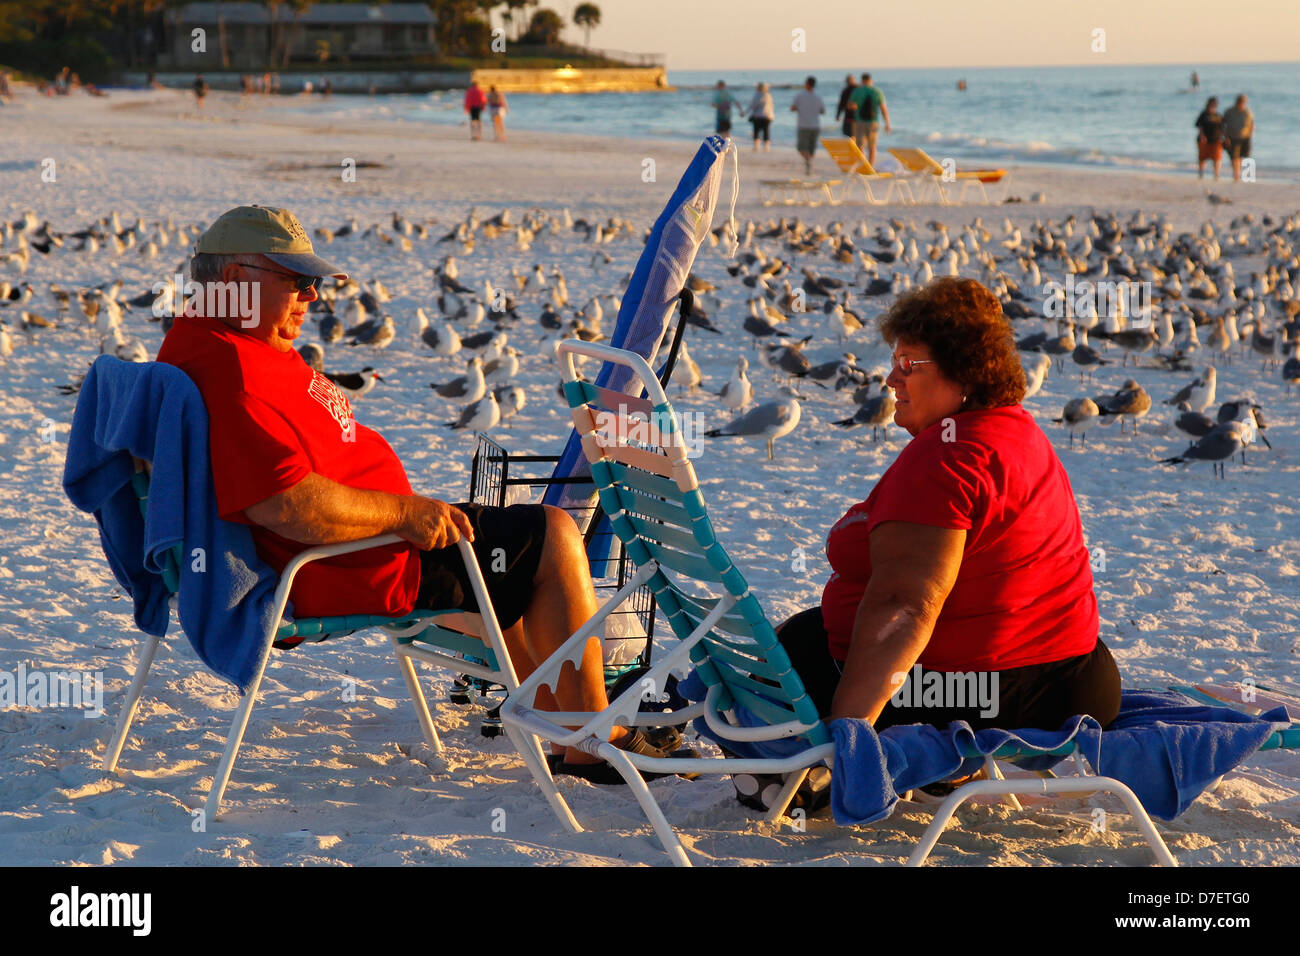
(965, 568)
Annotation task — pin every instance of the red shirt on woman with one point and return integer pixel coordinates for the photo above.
(1024, 592)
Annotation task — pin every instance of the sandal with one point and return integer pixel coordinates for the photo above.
(604, 773)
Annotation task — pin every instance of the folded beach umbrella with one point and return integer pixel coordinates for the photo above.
(657, 281)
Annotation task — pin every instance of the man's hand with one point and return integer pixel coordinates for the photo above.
(431, 524)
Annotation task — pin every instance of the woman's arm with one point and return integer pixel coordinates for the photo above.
(913, 569)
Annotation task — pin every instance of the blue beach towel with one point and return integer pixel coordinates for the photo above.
(657, 280)
(154, 412)
(1164, 746)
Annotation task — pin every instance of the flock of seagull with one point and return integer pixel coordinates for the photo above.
(792, 289)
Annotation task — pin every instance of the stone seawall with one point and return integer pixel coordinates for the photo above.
(572, 80)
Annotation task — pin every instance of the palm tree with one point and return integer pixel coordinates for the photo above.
(587, 15)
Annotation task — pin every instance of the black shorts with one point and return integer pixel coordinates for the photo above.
(508, 544)
(762, 127)
(1239, 148)
(723, 124)
(1040, 695)
(475, 112)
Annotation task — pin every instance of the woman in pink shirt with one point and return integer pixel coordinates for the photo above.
(475, 100)
(961, 587)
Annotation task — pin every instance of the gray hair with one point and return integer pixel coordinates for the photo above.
(208, 266)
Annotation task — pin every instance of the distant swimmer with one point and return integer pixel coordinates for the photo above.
(1196, 81)
(961, 86)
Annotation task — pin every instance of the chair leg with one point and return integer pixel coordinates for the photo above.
(530, 749)
(130, 704)
(417, 697)
(995, 773)
(649, 806)
(784, 798)
(237, 727)
(1059, 786)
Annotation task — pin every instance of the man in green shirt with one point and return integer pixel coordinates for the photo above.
(869, 106)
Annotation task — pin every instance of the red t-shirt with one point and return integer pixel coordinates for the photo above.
(1024, 592)
(272, 421)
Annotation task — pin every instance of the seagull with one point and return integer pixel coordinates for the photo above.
(1199, 395)
(314, 356)
(1079, 415)
(1195, 424)
(768, 421)
(479, 416)
(877, 411)
(511, 400)
(1036, 370)
(691, 376)
(355, 384)
(445, 341)
(380, 336)
(1131, 402)
(738, 392)
(1218, 445)
(470, 386)
(501, 370)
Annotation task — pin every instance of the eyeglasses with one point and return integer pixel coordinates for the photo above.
(300, 282)
(905, 364)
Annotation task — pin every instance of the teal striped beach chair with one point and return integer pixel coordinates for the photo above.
(470, 644)
(647, 485)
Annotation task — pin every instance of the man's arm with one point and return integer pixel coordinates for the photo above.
(884, 111)
(913, 569)
(320, 511)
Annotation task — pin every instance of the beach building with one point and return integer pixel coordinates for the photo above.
(248, 35)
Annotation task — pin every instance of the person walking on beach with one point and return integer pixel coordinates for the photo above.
(847, 108)
(761, 113)
(808, 126)
(723, 101)
(869, 103)
(1238, 128)
(497, 109)
(475, 100)
(1209, 142)
(200, 89)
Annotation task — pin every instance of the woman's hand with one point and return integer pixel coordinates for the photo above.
(913, 569)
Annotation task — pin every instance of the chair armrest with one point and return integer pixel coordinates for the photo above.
(328, 551)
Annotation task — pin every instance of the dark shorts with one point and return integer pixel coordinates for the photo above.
(508, 543)
(475, 112)
(723, 124)
(1239, 148)
(1040, 695)
(762, 127)
(806, 140)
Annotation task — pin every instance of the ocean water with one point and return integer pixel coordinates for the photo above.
(1116, 116)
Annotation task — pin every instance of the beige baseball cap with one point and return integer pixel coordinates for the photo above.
(274, 233)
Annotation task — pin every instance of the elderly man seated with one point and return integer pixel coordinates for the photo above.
(289, 459)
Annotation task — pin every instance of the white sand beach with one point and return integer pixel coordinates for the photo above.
(1201, 580)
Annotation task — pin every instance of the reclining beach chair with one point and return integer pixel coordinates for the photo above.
(753, 698)
(798, 192)
(927, 170)
(857, 170)
(447, 639)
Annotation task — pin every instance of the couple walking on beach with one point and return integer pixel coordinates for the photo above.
(495, 101)
(762, 112)
(1233, 129)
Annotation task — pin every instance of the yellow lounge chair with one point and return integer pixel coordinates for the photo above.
(849, 158)
(923, 165)
(797, 192)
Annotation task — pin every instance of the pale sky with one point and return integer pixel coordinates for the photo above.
(757, 34)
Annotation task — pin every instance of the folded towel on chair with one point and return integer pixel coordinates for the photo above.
(154, 412)
(1164, 746)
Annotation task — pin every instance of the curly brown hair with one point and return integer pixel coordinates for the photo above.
(970, 340)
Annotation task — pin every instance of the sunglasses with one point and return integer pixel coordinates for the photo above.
(905, 364)
(300, 282)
